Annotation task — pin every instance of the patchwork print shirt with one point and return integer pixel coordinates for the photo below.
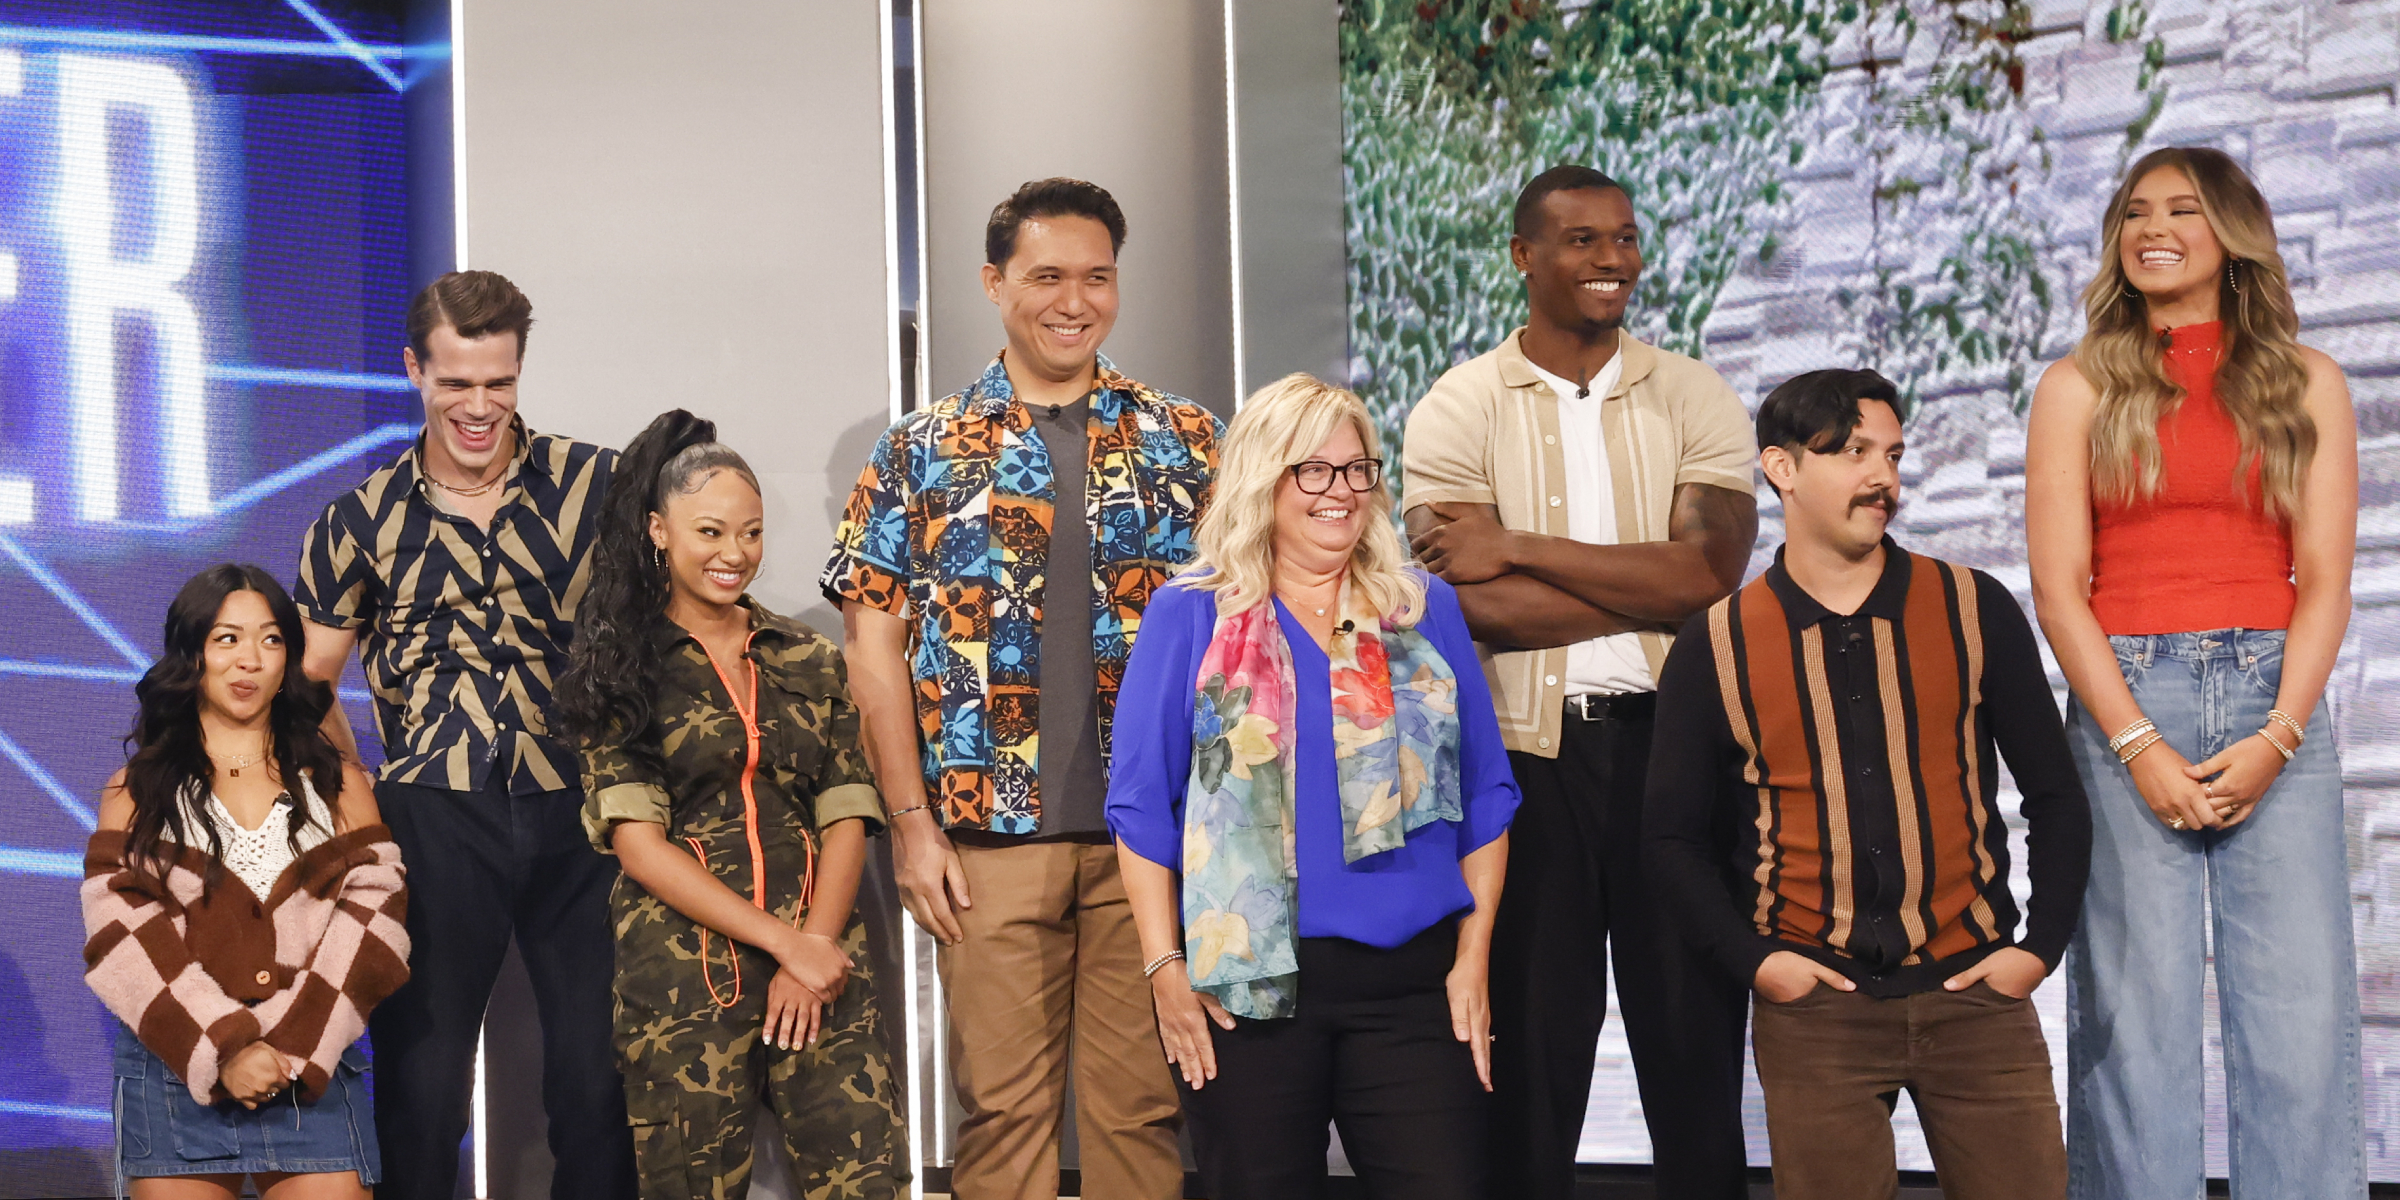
(950, 526)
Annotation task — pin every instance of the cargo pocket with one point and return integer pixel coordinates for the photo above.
(660, 1157)
(200, 1131)
(137, 1098)
(350, 1078)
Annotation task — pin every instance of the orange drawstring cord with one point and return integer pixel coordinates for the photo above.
(808, 895)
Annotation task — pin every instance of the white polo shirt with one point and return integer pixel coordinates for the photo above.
(1614, 663)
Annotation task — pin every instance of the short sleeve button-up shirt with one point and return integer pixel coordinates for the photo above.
(949, 525)
(463, 629)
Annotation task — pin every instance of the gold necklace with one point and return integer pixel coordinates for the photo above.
(477, 490)
(239, 760)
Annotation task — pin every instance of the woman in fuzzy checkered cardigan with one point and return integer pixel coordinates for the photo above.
(243, 902)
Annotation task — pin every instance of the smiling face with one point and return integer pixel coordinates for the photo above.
(1846, 499)
(1581, 265)
(1318, 533)
(714, 539)
(2166, 246)
(1057, 295)
(470, 391)
(242, 663)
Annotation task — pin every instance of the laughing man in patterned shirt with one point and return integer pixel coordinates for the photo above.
(454, 572)
(1020, 598)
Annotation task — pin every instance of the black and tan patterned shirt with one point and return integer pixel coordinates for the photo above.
(462, 630)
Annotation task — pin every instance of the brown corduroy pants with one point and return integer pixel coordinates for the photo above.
(1832, 1064)
(1050, 973)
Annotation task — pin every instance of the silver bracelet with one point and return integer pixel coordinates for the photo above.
(1158, 964)
(890, 816)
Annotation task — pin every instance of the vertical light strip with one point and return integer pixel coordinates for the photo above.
(1233, 204)
(912, 1044)
(916, 76)
(932, 1045)
(478, 1122)
(458, 137)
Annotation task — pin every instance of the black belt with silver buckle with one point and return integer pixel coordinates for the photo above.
(1623, 706)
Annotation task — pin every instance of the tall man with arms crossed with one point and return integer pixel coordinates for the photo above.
(1586, 493)
(454, 572)
(992, 570)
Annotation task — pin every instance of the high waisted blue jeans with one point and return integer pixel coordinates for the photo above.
(2272, 895)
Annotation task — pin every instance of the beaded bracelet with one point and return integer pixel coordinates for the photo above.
(2125, 736)
(2134, 751)
(1158, 964)
(2284, 719)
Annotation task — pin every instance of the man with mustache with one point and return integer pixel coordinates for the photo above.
(1586, 493)
(1848, 712)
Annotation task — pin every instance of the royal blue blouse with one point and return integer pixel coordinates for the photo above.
(1383, 899)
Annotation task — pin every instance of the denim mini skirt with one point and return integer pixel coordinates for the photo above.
(161, 1130)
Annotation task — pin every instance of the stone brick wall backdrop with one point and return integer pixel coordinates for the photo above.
(2302, 93)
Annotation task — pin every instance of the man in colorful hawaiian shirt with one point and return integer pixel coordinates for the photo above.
(992, 569)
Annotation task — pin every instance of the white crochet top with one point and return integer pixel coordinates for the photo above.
(258, 856)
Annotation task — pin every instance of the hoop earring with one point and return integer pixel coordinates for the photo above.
(2231, 280)
(658, 557)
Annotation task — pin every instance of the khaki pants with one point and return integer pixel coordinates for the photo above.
(1050, 964)
(1832, 1064)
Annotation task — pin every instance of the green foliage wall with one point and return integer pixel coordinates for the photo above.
(1707, 110)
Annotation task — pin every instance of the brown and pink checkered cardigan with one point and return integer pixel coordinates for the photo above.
(199, 974)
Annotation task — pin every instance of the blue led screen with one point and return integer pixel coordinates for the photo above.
(204, 261)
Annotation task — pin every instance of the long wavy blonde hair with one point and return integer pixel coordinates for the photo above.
(1280, 426)
(2260, 376)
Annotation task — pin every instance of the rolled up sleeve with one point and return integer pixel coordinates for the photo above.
(619, 787)
(1490, 796)
(1150, 754)
(1719, 446)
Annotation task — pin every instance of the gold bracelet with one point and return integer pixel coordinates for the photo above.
(2298, 734)
(2134, 751)
(2280, 748)
(2125, 736)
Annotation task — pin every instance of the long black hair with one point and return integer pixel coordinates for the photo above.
(168, 763)
(613, 668)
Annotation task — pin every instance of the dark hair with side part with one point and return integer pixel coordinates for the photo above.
(475, 304)
(168, 759)
(613, 665)
(1055, 197)
(1817, 411)
(1567, 178)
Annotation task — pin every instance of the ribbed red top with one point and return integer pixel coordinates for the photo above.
(2199, 553)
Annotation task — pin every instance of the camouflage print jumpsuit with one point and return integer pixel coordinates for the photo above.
(747, 800)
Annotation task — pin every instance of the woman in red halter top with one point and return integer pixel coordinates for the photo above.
(2191, 507)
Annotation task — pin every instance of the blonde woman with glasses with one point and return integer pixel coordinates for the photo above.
(2192, 506)
(1311, 805)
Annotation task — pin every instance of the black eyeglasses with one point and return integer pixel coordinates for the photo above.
(1316, 475)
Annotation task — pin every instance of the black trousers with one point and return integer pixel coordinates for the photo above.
(483, 865)
(1371, 1052)
(1575, 885)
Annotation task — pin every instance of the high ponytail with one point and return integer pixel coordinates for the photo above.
(613, 667)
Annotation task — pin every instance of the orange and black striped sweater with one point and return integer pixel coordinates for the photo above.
(1828, 783)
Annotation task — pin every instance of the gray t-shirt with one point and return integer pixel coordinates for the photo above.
(1074, 787)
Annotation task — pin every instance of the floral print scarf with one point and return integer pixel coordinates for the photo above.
(1395, 734)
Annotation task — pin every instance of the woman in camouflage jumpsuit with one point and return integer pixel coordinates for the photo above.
(739, 808)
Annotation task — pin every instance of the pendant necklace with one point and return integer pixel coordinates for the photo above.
(239, 761)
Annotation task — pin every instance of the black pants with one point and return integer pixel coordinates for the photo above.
(1371, 1052)
(1574, 883)
(482, 865)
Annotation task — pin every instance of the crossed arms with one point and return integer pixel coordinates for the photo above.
(1529, 591)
